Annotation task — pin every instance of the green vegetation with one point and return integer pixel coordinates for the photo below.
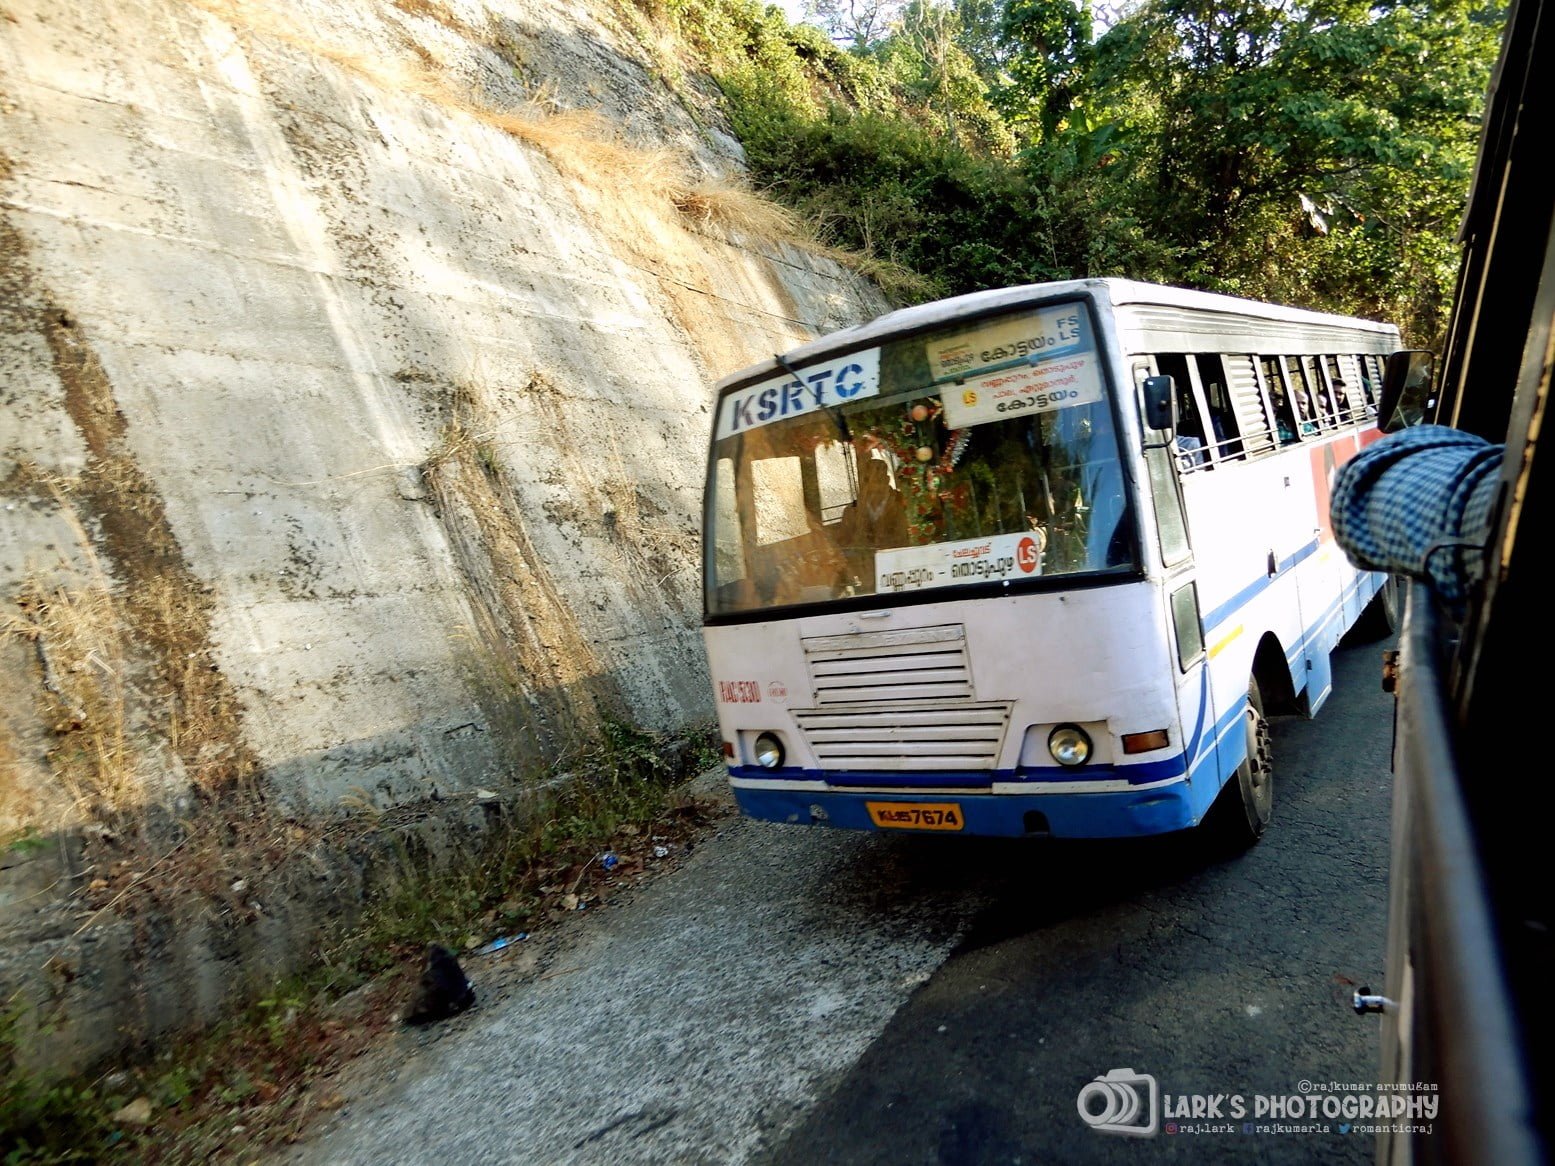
(1316, 154)
(45, 1122)
(254, 1081)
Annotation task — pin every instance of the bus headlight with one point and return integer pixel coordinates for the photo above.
(1069, 745)
(769, 751)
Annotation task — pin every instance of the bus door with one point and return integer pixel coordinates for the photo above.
(1196, 701)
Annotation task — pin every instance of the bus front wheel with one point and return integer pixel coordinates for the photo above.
(1241, 813)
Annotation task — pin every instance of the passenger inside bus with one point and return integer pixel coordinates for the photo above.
(1307, 415)
(878, 519)
(1342, 402)
(1284, 418)
(1190, 430)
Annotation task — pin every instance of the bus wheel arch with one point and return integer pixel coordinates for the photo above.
(1272, 672)
(1241, 812)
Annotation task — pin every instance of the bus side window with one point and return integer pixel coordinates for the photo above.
(1345, 373)
(1371, 382)
(1284, 415)
(1301, 395)
(1322, 392)
(1222, 412)
(1250, 405)
(1189, 438)
(1340, 388)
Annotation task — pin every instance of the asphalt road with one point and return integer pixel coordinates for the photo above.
(1228, 977)
(804, 995)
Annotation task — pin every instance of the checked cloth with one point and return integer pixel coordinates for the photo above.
(1420, 503)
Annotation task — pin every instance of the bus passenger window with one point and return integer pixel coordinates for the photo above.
(1371, 383)
(1342, 402)
(1222, 412)
(1327, 415)
(1189, 436)
(1301, 393)
(1344, 411)
(1284, 416)
(1190, 430)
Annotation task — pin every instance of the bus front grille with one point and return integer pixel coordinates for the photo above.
(891, 739)
(913, 664)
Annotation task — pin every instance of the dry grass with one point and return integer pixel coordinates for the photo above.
(73, 621)
(526, 638)
(581, 143)
(717, 203)
(901, 285)
(253, 1084)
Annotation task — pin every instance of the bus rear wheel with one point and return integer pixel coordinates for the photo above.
(1381, 617)
(1242, 811)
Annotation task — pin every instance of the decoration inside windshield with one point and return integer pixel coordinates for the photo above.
(1031, 363)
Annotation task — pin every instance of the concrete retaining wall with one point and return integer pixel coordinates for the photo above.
(352, 410)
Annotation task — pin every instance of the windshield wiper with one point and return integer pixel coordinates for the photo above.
(832, 411)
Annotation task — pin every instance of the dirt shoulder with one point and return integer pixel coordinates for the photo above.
(694, 1020)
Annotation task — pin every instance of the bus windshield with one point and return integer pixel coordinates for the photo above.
(980, 454)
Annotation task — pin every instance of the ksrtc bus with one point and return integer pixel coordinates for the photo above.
(1034, 561)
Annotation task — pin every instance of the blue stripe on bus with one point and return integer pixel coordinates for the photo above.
(1242, 598)
(1120, 814)
(1192, 751)
(1311, 633)
(1245, 596)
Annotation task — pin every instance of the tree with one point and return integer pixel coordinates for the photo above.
(981, 37)
(1048, 66)
(929, 60)
(1316, 153)
(859, 23)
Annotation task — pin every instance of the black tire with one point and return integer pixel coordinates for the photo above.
(1382, 615)
(1242, 811)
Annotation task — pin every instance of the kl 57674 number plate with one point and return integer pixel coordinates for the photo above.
(915, 815)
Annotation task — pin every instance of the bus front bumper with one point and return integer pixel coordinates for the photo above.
(1121, 814)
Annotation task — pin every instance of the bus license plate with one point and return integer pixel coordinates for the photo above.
(915, 815)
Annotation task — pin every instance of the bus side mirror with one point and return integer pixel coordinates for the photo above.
(1160, 403)
(1408, 397)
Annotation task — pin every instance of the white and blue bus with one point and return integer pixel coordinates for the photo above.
(1034, 561)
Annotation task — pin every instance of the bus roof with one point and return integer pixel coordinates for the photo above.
(1113, 291)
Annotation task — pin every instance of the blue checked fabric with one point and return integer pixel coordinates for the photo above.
(1419, 503)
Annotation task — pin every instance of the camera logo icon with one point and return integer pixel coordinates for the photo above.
(1111, 1104)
